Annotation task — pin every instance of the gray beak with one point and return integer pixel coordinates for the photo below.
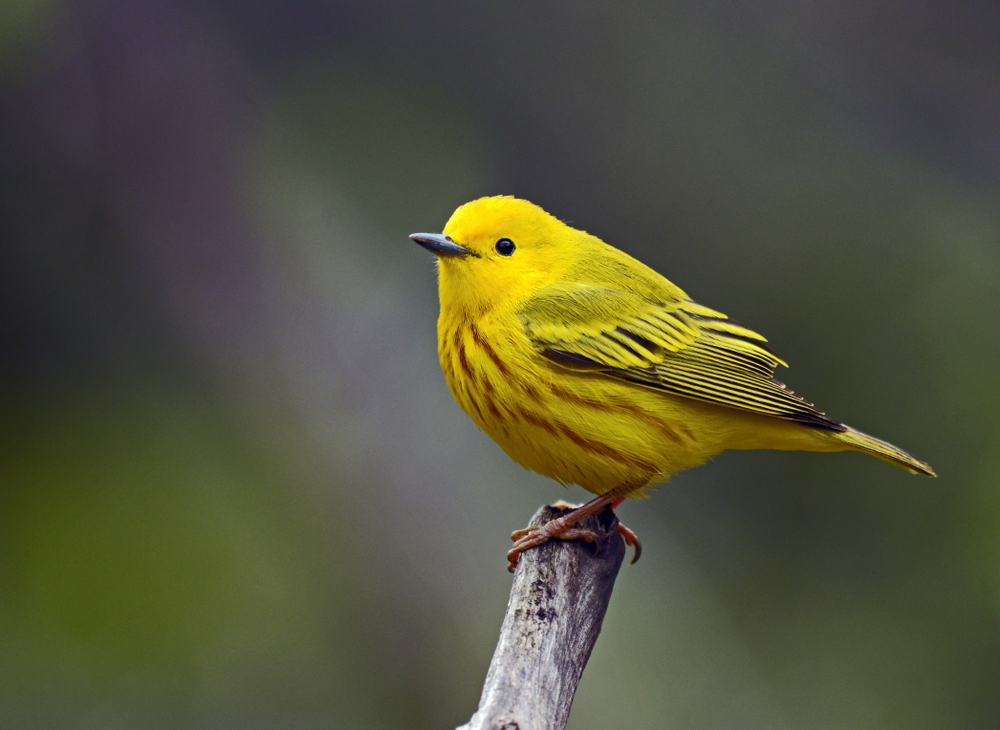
(441, 244)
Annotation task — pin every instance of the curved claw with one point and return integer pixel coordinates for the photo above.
(632, 540)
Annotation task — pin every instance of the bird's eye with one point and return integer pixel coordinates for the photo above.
(505, 247)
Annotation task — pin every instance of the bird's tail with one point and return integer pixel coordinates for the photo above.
(859, 441)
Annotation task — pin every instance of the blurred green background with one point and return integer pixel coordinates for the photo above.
(234, 490)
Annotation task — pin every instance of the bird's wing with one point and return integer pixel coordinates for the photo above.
(675, 345)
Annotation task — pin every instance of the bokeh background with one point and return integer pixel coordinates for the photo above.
(234, 489)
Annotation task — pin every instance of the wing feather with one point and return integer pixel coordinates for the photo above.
(675, 345)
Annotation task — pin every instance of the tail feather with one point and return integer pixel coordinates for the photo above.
(876, 447)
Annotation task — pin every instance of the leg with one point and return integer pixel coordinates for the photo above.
(562, 528)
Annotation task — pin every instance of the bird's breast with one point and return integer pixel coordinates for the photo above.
(484, 370)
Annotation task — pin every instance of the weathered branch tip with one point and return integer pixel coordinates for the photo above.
(557, 604)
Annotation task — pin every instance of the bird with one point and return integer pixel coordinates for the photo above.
(587, 366)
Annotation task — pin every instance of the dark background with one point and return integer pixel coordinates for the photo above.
(234, 490)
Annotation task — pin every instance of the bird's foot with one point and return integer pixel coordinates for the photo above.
(562, 528)
(557, 529)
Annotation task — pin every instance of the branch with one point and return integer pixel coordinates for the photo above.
(557, 603)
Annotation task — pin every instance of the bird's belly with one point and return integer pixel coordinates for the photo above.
(578, 428)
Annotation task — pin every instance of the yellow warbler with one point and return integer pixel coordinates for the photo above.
(589, 367)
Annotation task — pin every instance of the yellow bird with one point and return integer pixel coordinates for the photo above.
(587, 366)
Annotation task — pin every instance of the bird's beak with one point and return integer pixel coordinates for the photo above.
(441, 244)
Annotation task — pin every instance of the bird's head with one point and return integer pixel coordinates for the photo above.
(497, 250)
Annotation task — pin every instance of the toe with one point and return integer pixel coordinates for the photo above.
(632, 540)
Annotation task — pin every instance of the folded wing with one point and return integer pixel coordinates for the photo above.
(674, 345)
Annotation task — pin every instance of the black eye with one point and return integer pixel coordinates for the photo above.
(505, 247)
